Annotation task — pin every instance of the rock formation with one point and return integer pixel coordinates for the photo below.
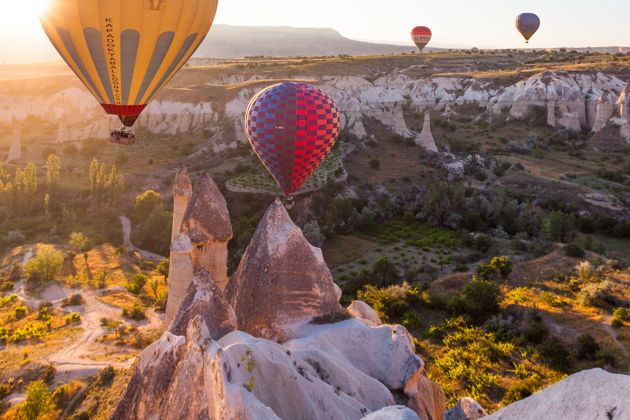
(425, 139)
(587, 395)
(282, 282)
(394, 412)
(364, 311)
(606, 104)
(180, 274)
(182, 193)
(466, 409)
(15, 152)
(425, 397)
(207, 224)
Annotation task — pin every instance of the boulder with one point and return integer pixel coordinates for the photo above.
(468, 409)
(364, 311)
(425, 397)
(205, 300)
(282, 282)
(394, 412)
(588, 395)
(386, 353)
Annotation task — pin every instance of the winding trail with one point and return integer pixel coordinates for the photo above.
(606, 325)
(126, 229)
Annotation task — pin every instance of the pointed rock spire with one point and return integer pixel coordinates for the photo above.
(282, 282)
(180, 274)
(425, 139)
(182, 193)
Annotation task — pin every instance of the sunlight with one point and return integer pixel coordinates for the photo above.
(21, 16)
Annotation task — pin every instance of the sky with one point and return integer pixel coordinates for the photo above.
(455, 23)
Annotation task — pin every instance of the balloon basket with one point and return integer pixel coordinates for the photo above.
(289, 202)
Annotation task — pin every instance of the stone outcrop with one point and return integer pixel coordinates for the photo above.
(606, 104)
(425, 397)
(207, 224)
(282, 282)
(205, 299)
(182, 193)
(364, 311)
(394, 412)
(180, 274)
(589, 395)
(425, 139)
(466, 409)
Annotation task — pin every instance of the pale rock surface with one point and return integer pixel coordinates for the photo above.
(425, 140)
(282, 282)
(207, 224)
(394, 412)
(182, 193)
(466, 409)
(425, 397)
(588, 395)
(362, 310)
(386, 353)
(206, 300)
(180, 274)
(606, 104)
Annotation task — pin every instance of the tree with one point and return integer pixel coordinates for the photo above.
(156, 230)
(560, 226)
(444, 201)
(78, 241)
(44, 267)
(39, 404)
(501, 266)
(146, 203)
(97, 181)
(479, 299)
(53, 164)
(137, 283)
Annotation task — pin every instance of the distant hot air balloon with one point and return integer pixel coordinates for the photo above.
(125, 51)
(421, 35)
(527, 24)
(292, 127)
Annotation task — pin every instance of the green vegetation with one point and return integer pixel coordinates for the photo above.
(45, 267)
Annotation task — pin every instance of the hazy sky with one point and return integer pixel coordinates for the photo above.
(459, 23)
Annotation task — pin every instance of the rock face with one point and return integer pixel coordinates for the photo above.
(205, 299)
(425, 139)
(394, 412)
(606, 104)
(425, 397)
(180, 274)
(588, 395)
(282, 282)
(182, 193)
(466, 409)
(364, 311)
(207, 224)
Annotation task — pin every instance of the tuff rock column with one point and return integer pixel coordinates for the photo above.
(182, 193)
(180, 275)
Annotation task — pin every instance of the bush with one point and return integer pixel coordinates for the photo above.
(574, 250)
(38, 403)
(73, 318)
(375, 164)
(622, 314)
(501, 266)
(521, 389)
(597, 295)
(78, 241)
(557, 356)
(74, 300)
(145, 203)
(587, 347)
(44, 267)
(137, 283)
(135, 312)
(479, 300)
(616, 323)
(106, 375)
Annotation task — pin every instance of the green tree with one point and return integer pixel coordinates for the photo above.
(443, 201)
(156, 230)
(38, 404)
(44, 267)
(78, 241)
(479, 299)
(163, 267)
(501, 266)
(560, 226)
(115, 186)
(339, 211)
(53, 165)
(97, 181)
(146, 203)
(46, 205)
(137, 283)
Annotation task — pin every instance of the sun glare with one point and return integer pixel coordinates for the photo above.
(21, 16)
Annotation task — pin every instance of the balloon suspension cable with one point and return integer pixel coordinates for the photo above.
(289, 202)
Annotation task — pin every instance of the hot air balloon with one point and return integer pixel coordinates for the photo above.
(527, 24)
(421, 35)
(292, 127)
(124, 52)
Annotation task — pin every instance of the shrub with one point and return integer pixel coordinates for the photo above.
(38, 403)
(20, 312)
(375, 164)
(521, 389)
(44, 267)
(596, 294)
(622, 314)
(557, 356)
(135, 312)
(63, 395)
(74, 300)
(616, 323)
(574, 250)
(78, 241)
(73, 318)
(145, 203)
(106, 375)
(587, 347)
(137, 283)
(479, 299)
(501, 266)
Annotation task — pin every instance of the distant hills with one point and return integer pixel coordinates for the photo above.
(226, 41)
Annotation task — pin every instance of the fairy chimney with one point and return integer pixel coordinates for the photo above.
(207, 224)
(182, 193)
(426, 137)
(180, 274)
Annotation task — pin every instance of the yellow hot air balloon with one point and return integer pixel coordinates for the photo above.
(125, 51)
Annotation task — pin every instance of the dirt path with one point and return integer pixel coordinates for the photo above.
(126, 228)
(605, 323)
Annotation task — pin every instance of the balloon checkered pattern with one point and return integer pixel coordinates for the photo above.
(292, 127)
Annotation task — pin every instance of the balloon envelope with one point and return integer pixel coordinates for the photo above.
(421, 35)
(292, 127)
(125, 51)
(527, 24)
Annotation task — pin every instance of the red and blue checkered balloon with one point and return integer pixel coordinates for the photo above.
(292, 127)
